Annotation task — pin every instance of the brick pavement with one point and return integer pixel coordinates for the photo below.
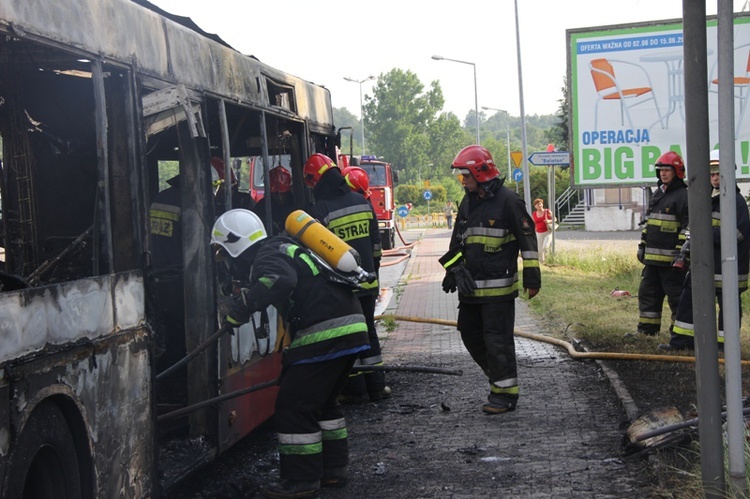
(562, 441)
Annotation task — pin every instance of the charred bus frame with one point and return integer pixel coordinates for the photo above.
(97, 101)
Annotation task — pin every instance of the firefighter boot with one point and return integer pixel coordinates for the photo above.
(335, 477)
(293, 488)
(499, 403)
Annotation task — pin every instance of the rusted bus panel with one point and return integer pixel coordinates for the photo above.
(122, 30)
(32, 319)
(104, 390)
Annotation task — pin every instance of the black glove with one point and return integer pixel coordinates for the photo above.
(464, 282)
(449, 282)
(641, 253)
(239, 313)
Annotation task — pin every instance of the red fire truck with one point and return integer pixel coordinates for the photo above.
(382, 178)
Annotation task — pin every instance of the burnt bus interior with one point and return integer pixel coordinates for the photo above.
(81, 166)
(53, 219)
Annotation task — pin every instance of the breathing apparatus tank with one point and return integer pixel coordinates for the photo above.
(327, 245)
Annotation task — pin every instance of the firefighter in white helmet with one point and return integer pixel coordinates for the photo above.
(328, 331)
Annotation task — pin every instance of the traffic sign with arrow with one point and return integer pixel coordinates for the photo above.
(557, 158)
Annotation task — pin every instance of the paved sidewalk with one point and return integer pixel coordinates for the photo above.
(563, 440)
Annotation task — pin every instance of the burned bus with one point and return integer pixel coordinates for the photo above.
(105, 108)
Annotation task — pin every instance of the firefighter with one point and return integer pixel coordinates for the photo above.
(282, 201)
(218, 180)
(165, 220)
(357, 180)
(662, 237)
(492, 226)
(351, 217)
(683, 333)
(327, 331)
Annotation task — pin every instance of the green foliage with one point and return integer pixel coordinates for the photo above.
(405, 125)
(576, 296)
(453, 189)
(167, 170)
(398, 116)
(350, 139)
(539, 183)
(414, 194)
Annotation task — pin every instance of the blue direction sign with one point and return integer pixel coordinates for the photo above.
(517, 175)
(403, 211)
(557, 158)
(427, 195)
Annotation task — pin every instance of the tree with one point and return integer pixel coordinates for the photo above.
(349, 138)
(559, 133)
(398, 118)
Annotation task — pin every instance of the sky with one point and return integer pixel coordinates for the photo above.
(325, 41)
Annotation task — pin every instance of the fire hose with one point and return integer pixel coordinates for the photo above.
(562, 343)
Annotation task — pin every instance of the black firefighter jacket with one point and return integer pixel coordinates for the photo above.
(489, 233)
(351, 217)
(666, 225)
(325, 318)
(743, 240)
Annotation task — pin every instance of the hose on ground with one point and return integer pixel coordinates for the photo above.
(564, 344)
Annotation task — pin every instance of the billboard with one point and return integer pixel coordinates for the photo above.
(627, 99)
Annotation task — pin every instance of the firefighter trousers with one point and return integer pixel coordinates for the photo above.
(363, 383)
(656, 283)
(310, 422)
(683, 333)
(487, 333)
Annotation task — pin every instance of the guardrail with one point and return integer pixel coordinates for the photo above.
(435, 220)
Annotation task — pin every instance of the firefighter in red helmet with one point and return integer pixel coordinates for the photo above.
(351, 217)
(281, 200)
(240, 199)
(492, 227)
(663, 234)
(357, 180)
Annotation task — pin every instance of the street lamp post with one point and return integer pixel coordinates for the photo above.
(507, 130)
(476, 99)
(361, 109)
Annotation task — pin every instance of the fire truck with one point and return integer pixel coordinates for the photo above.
(382, 178)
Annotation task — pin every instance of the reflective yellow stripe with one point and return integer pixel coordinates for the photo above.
(453, 260)
(333, 328)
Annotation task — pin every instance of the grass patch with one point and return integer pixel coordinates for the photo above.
(576, 298)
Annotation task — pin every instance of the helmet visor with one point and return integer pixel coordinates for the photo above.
(461, 173)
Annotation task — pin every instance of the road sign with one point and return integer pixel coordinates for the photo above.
(557, 158)
(517, 157)
(427, 195)
(517, 175)
(403, 211)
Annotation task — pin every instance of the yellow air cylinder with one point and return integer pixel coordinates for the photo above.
(327, 245)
